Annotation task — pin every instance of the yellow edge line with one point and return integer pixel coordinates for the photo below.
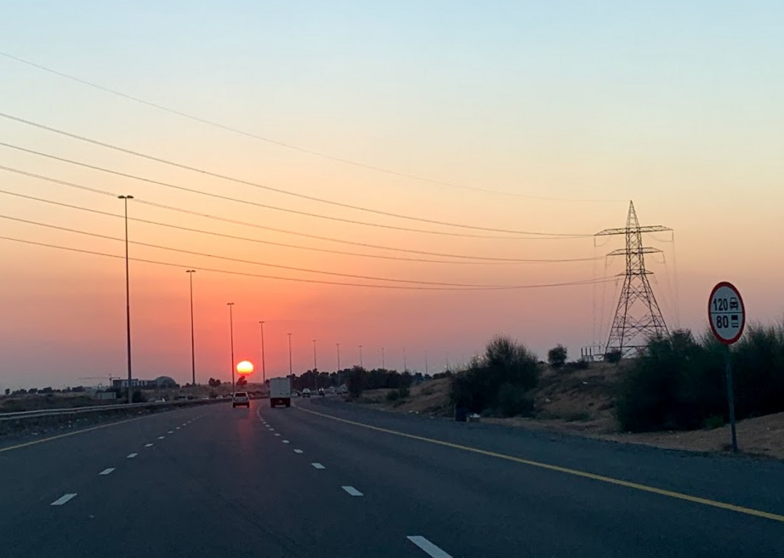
(565, 470)
(74, 433)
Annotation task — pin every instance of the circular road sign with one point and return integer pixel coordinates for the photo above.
(726, 313)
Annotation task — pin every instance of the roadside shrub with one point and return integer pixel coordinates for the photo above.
(504, 362)
(613, 357)
(393, 395)
(138, 396)
(404, 392)
(513, 401)
(557, 356)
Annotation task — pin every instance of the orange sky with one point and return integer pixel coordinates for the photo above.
(671, 114)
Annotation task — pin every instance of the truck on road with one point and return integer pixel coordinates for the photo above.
(280, 392)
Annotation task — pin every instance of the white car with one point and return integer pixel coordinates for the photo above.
(240, 399)
(306, 392)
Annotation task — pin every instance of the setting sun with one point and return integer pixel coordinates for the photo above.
(245, 367)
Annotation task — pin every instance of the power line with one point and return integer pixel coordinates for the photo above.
(468, 258)
(288, 145)
(250, 262)
(298, 280)
(286, 192)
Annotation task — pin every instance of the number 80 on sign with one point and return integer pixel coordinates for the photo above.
(726, 313)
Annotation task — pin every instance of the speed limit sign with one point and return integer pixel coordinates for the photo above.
(726, 312)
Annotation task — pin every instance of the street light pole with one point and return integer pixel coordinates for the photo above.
(383, 364)
(426, 368)
(405, 364)
(361, 364)
(290, 367)
(315, 366)
(231, 333)
(263, 361)
(125, 199)
(338, 347)
(190, 273)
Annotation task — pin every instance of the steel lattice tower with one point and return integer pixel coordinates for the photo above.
(637, 316)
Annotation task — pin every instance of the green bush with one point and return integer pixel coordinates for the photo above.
(679, 383)
(613, 357)
(505, 362)
(513, 401)
(557, 356)
(404, 392)
(393, 395)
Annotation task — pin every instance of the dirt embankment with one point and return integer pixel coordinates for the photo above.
(581, 402)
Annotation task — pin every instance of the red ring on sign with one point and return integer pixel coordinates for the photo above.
(743, 313)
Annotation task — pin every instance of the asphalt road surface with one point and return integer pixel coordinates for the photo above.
(329, 479)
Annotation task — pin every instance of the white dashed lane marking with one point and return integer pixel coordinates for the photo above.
(170, 432)
(286, 442)
(161, 437)
(63, 499)
(276, 434)
(432, 550)
(351, 490)
(318, 466)
(106, 471)
(147, 445)
(131, 455)
(298, 451)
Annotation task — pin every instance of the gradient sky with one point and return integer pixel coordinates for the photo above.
(574, 108)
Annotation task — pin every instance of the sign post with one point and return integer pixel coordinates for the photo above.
(727, 319)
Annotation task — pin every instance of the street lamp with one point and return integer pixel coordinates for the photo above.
(263, 362)
(361, 364)
(290, 367)
(338, 347)
(231, 334)
(315, 366)
(405, 364)
(125, 199)
(383, 364)
(426, 368)
(190, 273)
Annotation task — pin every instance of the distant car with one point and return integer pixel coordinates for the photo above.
(306, 392)
(321, 392)
(240, 399)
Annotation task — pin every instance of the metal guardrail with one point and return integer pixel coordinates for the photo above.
(41, 413)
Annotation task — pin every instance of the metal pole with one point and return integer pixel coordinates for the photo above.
(231, 332)
(128, 297)
(405, 364)
(338, 346)
(263, 360)
(426, 367)
(730, 397)
(315, 366)
(383, 364)
(190, 273)
(361, 364)
(290, 368)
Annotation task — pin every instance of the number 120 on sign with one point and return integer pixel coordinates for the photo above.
(726, 312)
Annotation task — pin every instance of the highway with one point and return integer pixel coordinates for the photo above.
(329, 479)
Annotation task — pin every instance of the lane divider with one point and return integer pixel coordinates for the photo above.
(298, 451)
(131, 455)
(64, 499)
(565, 470)
(352, 491)
(431, 549)
(318, 466)
(106, 471)
(147, 445)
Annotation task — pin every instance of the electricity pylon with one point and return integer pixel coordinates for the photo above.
(637, 316)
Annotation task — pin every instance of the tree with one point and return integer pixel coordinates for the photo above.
(356, 381)
(7, 391)
(242, 381)
(557, 356)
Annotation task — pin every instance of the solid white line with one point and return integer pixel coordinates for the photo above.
(147, 445)
(161, 437)
(63, 499)
(318, 466)
(131, 455)
(298, 451)
(351, 490)
(428, 547)
(286, 442)
(106, 471)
